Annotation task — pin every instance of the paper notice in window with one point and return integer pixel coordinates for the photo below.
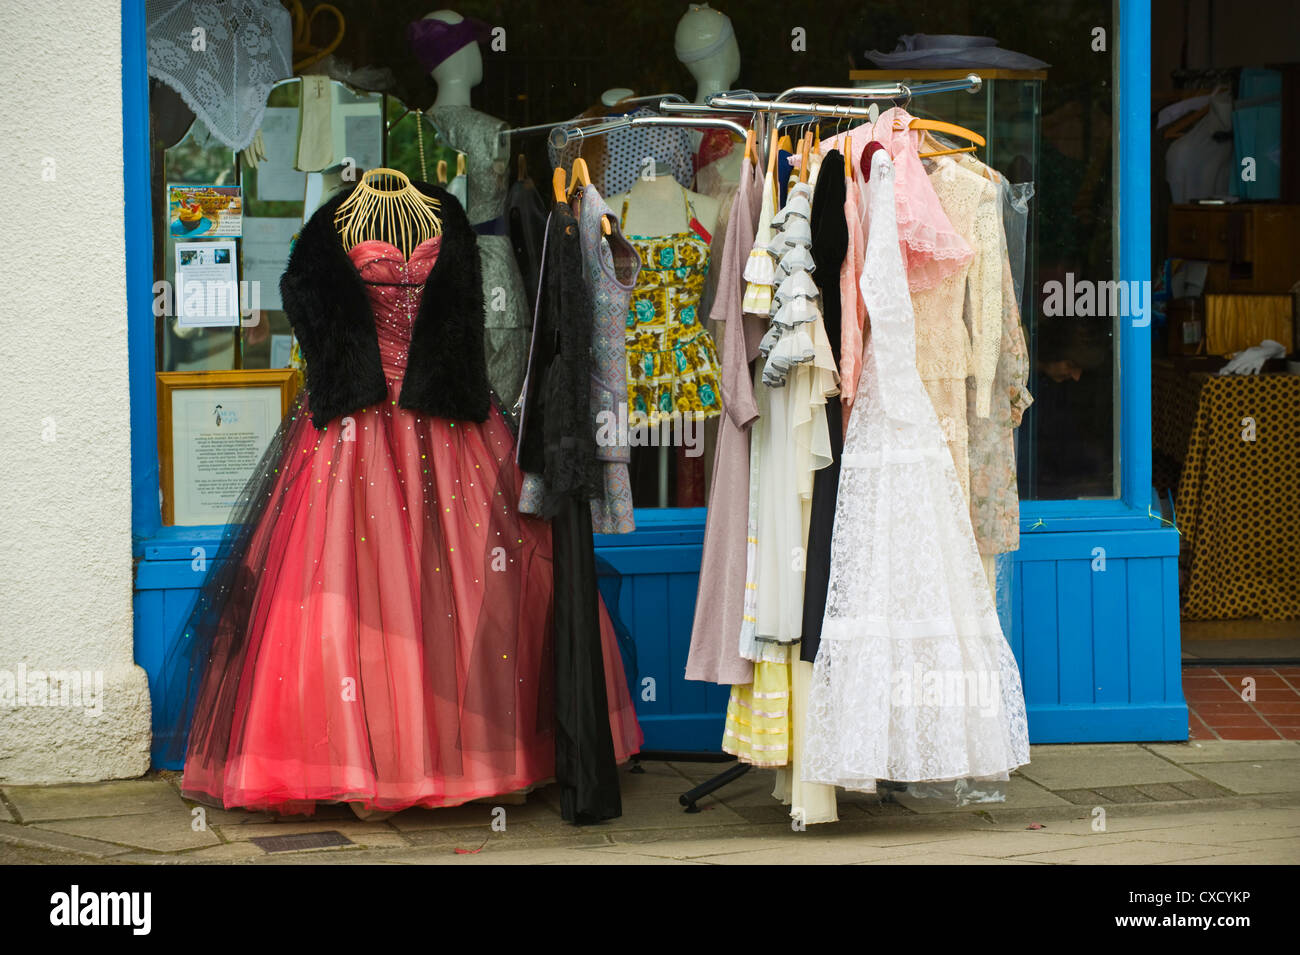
(266, 251)
(207, 286)
(277, 179)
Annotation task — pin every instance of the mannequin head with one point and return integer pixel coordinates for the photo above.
(458, 73)
(706, 45)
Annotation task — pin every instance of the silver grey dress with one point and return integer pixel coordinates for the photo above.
(505, 308)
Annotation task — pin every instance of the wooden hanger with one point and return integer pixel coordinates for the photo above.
(805, 156)
(952, 129)
(460, 164)
(773, 146)
(557, 184)
(521, 168)
(946, 152)
(751, 154)
(786, 143)
(581, 176)
(442, 172)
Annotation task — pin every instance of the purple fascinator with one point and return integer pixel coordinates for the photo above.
(433, 41)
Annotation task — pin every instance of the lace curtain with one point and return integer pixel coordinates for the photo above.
(222, 57)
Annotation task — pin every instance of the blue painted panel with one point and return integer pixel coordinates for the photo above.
(1040, 667)
(650, 630)
(1097, 723)
(1146, 630)
(688, 695)
(1171, 654)
(1110, 649)
(1017, 636)
(1074, 636)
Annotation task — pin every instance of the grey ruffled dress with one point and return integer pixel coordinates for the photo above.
(506, 309)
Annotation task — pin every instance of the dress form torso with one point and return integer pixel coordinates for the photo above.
(655, 208)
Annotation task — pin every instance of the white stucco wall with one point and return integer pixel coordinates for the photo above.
(65, 540)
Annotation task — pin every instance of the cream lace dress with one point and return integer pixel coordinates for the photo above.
(914, 680)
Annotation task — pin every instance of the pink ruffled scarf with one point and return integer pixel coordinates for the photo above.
(932, 248)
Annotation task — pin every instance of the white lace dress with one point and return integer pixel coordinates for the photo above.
(914, 680)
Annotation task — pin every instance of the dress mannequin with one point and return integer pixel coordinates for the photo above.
(654, 206)
(452, 56)
(460, 72)
(706, 45)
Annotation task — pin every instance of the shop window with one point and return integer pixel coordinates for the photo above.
(1055, 130)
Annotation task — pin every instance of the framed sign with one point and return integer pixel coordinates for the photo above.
(213, 427)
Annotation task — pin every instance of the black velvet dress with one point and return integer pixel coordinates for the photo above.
(556, 441)
(830, 243)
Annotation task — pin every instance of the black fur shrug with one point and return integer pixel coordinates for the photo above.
(326, 302)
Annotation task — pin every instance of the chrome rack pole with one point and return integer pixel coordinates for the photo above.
(971, 82)
(563, 135)
(763, 106)
(520, 130)
(576, 120)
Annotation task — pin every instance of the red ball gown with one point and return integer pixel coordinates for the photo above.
(383, 636)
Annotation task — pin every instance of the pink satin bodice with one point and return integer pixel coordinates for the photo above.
(394, 285)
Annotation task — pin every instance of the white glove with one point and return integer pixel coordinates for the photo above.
(1250, 361)
(255, 151)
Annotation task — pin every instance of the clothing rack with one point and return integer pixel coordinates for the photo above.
(562, 135)
(660, 98)
(781, 103)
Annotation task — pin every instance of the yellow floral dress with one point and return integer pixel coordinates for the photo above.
(672, 362)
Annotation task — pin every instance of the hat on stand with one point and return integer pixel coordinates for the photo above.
(949, 51)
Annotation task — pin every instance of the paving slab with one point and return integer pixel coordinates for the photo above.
(695, 848)
(477, 816)
(1145, 825)
(82, 800)
(515, 838)
(1262, 858)
(1228, 835)
(1266, 776)
(361, 833)
(752, 789)
(699, 772)
(658, 777)
(1201, 789)
(806, 852)
(945, 858)
(1124, 852)
(654, 811)
(58, 841)
(226, 852)
(156, 832)
(242, 817)
(1091, 767)
(544, 856)
(1015, 844)
(1227, 751)
(1021, 793)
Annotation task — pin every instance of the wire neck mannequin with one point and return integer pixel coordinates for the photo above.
(386, 206)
